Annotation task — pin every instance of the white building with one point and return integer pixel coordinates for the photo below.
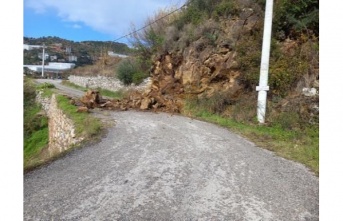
(51, 67)
(68, 49)
(46, 56)
(72, 58)
(112, 54)
(53, 57)
(30, 47)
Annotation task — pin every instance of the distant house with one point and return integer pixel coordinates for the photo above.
(30, 47)
(72, 58)
(46, 55)
(54, 67)
(68, 50)
(53, 57)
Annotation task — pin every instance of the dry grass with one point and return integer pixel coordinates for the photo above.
(105, 66)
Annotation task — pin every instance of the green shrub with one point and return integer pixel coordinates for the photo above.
(287, 120)
(45, 85)
(196, 12)
(225, 8)
(128, 72)
(249, 58)
(138, 77)
(285, 68)
(296, 16)
(216, 104)
(29, 92)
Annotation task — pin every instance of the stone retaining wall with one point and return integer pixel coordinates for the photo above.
(61, 129)
(109, 83)
(44, 101)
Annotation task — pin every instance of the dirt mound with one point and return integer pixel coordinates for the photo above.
(149, 100)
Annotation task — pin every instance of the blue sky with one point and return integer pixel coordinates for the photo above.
(81, 20)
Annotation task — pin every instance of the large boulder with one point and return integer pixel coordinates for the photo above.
(91, 99)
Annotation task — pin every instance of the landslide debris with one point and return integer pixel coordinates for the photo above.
(149, 100)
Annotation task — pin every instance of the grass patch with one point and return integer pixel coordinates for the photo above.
(36, 136)
(46, 88)
(47, 92)
(72, 85)
(85, 125)
(36, 130)
(298, 145)
(33, 145)
(45, 85)
(112, 94)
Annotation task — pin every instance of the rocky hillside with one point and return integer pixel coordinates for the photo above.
(215, 62)
(207, 55)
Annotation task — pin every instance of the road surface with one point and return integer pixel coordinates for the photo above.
(61, 88)
(154, 166)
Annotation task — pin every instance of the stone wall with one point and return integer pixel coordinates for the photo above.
(61, 129)
(44, 101)
(109, 83)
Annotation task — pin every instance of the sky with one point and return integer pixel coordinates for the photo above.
(81, 20)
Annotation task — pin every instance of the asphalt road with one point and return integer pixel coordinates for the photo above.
(61, 88)
(154, 166)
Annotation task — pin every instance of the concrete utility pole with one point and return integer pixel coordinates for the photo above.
(43, 59)
(263, 84)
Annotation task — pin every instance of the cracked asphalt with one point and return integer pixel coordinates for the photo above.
(155, 166)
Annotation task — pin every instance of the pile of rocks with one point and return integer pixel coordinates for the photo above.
(149, 100)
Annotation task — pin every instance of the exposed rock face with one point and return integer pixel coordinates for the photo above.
(200, 69)
(206, 69)
(203, 68)
(202, 76)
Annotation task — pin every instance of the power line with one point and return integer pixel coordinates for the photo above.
(187, 3)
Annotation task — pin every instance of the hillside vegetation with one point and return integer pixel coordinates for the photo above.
(204, 62)
(206, 59)
(87, 52)
(36, 132)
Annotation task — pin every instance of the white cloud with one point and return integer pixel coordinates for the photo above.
(107, 16)
(76, 26)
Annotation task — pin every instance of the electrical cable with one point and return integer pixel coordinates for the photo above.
(187, 3)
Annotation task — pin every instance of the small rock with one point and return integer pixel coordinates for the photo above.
(316, 84)
(107, 104)
(82, 110)
(309, 92)
(145, 103)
